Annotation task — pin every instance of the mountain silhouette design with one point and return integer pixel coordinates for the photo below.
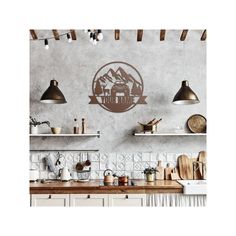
(119, 75)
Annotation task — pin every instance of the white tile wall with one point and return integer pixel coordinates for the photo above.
(131, 164)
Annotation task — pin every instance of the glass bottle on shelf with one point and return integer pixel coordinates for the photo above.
(83, 126)
(76, 126)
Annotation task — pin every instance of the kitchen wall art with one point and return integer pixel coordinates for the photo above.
(117, 87)
(160, 65)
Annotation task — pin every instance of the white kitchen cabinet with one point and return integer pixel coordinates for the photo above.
(94, 200)
(136, 200)
(61, 200)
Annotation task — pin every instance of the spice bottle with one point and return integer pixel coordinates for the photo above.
(83, 126)
(76, 126)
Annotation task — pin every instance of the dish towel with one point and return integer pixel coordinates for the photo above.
(175, 200)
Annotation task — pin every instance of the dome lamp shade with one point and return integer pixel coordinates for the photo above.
(185, 95)
(53, 94)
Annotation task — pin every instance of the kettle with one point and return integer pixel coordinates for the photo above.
(64, 174)
(108, 176)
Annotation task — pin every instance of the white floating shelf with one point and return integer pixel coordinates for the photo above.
(170, 134)
(67, 135)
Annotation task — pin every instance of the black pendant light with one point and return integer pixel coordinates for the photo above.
(185, 96)
(53, 94)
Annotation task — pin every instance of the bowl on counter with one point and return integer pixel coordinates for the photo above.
(56, 130)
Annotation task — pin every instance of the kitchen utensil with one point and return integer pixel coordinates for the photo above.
(197, 166)
(185, 167)
(197, 123)
(80, 165)
(175, 174)
(150, 126)
(64, 174)
(160, 171)
(56, 130)
(60, 162)
(168, 171)
(196, 169)
(49, 163)
(201, 159)
(108, 176)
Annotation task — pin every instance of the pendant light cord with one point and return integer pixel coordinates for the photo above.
(184, 59)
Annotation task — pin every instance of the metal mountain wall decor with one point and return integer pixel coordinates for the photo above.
(117, 87)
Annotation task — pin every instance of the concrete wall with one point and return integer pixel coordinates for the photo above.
(162, 65)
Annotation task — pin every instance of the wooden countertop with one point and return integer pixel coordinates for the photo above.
(95, 186)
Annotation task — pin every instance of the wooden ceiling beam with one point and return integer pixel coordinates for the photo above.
(33, 34)
(204, 35)
(139, 35)
(117, 34)
(162, 35)
(73, 34)
(183, 35)
(56, 34)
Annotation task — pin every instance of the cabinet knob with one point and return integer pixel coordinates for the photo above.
(126, 196)
(88, 196)
(50, 196)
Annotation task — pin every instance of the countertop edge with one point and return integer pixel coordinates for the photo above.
(87, 188)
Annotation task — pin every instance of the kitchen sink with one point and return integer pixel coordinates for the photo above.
(194, 187)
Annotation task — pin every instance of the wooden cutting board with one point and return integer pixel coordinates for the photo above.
(185, 167)
(168, 171)
(175, 174)
(201, 158)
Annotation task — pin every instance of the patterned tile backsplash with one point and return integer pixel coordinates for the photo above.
(131, 164)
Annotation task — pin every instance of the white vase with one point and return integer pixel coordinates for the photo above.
(33, 129)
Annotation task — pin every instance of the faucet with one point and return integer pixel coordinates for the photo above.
(196, 166)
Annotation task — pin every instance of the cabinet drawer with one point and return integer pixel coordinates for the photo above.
(94, 200)
(137, 200)
(61, 200)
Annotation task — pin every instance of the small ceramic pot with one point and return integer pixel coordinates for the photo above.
(123, 179)
(33, 129)
(150, 177)
(56, 130)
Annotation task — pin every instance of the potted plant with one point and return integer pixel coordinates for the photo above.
(150, 174)
(34, 125)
